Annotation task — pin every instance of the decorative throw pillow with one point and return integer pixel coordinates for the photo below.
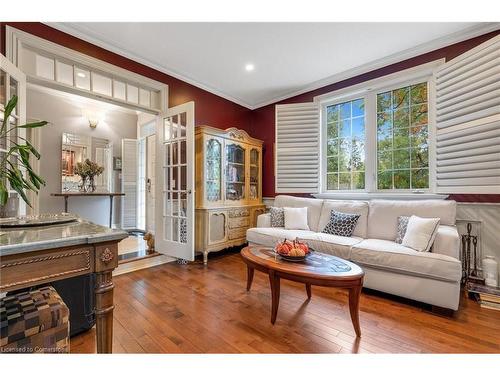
(341, 224)
(296, 218)
(277, 217)
(402, 225)
(420, 233)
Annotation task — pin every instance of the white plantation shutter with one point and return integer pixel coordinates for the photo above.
(297, 148)
(129, 183)
(468, 121)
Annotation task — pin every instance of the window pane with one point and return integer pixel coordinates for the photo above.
(402, 138)
(419, 93)
(332, 181)
(332, 130)
(332, 113)
(345, 146)
(402, 179)
(358, 108)
(420, 178)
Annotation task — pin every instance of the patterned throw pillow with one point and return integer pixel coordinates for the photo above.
(402, 225)
(341, 224)
(277, 217)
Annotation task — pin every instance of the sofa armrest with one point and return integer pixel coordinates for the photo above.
(264, 221)
(447, 241)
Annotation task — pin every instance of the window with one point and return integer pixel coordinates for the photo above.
(402, 138)
(377, 140)
(345, 162)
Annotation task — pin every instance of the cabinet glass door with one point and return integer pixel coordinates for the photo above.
(254, 174)
(213, 174)
(235, 172)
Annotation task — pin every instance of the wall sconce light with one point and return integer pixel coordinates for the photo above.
(92, 117)
(93, 123)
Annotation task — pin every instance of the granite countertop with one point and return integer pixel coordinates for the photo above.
(80, 232)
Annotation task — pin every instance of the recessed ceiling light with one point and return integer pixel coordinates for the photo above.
(249, 67)
(80, 74)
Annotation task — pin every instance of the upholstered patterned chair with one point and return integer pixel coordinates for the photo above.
(34, 321)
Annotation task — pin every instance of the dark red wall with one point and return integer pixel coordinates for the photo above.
(263, 118)
(210, 109)
(219, 112)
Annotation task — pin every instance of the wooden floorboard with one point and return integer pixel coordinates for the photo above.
(175, 308)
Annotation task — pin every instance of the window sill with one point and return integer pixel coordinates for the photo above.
(369, 196)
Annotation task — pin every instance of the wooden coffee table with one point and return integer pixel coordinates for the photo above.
(318, 269)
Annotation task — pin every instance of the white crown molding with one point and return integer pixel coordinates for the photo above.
(91, 37)
(420, 49)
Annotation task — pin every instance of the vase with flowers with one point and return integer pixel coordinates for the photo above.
(87, 171)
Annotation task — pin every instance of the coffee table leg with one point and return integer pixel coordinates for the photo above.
(354, 294)
(308, 290)
(250, 271)
(274, 280)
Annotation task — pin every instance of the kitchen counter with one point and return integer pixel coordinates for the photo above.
(80, 232)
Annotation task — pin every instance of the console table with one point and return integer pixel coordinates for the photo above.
(39, 255)
(66, 195)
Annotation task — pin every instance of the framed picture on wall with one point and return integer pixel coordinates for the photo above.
(117, 163)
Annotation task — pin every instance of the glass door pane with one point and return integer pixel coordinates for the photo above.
(213, 171)
(254, 174)
(235, 172)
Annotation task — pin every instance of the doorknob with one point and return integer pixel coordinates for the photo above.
(189, 191)
(148, 185)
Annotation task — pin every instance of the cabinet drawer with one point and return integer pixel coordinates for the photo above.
(238, 222)
(239, 213)
(45, 266)
(237, 233)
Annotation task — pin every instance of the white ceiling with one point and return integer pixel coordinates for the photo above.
(289, 58)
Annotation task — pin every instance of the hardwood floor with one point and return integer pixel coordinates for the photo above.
(173, 308)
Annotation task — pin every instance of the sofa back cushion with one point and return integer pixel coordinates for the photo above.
(349, 207)
(383, 215)
(313, 207)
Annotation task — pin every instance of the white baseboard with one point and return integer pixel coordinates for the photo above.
(141, 264)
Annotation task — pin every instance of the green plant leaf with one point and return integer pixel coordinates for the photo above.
(4, 194)
(33, 125)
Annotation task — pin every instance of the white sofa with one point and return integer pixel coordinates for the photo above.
(431, 277)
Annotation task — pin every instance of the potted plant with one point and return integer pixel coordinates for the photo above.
(87, 170)
(16, 172)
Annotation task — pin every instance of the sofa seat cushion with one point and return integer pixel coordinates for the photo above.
(394, 257)
(339, 246)
(326, 243)
(269, 236)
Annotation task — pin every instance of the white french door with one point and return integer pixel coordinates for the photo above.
(13, 82)
(174, 200)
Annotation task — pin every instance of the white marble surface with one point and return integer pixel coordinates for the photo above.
(20, 240)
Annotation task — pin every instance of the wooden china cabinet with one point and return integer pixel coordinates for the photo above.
(228, 187)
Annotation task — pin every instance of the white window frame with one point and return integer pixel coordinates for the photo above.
(368, 91)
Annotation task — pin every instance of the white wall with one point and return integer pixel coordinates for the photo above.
(64, 112)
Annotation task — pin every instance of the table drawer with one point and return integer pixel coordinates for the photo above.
(235, 234)
(239, 222)
(44, 266)
(239, 212)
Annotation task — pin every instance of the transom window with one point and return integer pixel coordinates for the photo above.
(378, 140)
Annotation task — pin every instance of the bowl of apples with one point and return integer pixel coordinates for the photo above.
(292, 251)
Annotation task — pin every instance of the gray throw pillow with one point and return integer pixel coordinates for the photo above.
(277, 217)
(402, 225)
(341, 224)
